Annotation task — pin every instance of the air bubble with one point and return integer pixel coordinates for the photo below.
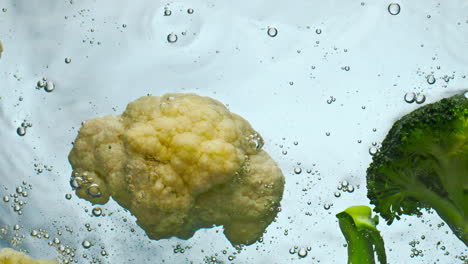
(373, 151)
(94, 191)
(394, 9)
(172, 38)
(302, 253)
(410, 98)
(21, 131)
(420, 98)
(337, 194)
(430, 79)
(68, 196)
(167, 12)
(272, 32)
(292, 250)
(318, 31)
(34, 233)
(67, 60)
(97, 211)
(49, 87)
(297, 170)
(190, 11)
(86, 244)
(6, 199)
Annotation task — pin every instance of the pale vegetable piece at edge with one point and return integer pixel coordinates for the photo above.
(10, 256)
(179, 162)
(1, 48)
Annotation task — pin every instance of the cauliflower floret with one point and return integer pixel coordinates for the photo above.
(179, 163)
(10, 256)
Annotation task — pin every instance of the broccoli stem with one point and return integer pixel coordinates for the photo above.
(362, 236)
(360, 251)
(449, 212)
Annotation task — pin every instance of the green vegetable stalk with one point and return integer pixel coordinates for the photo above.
(364, 240)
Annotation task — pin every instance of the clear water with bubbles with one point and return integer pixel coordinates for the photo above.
(314, 78)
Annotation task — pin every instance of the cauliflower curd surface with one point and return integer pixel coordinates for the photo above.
(10, 256)
(179, 163)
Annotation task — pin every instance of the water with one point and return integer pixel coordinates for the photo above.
(245, 55)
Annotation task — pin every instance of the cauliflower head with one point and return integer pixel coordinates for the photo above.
(10, 256)
(179, 163)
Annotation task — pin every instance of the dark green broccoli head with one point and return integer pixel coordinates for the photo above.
(423, 163)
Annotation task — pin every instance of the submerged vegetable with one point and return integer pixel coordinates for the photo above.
(423, 163)
(10, 256)
(179, 163)
(360, 231)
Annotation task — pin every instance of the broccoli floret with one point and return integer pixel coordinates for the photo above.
(363, 238)
(423, 163)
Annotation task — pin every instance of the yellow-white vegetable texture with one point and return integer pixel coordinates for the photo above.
(10, 256)
(179, 163)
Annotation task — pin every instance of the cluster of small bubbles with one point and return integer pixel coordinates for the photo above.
(21, 130)
(414, 251)
(172, 38)
(286, 232)
(293, 250)
(272, 32)
(97, 211)
(213, 260)
(447, 78)
(430, 79)
(67, 60)
(18, 204)
(331, 100)
(17, 239)
(179, 249)
(255, 141)
(394, 9)
(38, 169)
